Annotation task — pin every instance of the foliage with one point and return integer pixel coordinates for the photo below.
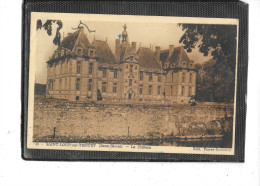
(48, 27)
(214, 82)
(215, 78)
(219, 40)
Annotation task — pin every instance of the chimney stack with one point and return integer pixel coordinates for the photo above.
(171, 48)
(117, 49)
(157, 52)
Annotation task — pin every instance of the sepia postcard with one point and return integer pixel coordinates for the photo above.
(156, 84)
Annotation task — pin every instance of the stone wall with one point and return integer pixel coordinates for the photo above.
(79, 120)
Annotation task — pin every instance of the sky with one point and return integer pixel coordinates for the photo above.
(144, 34)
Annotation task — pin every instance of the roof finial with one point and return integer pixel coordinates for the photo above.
(106, 39)
(124, 27)
(94, 37)
(124, 34)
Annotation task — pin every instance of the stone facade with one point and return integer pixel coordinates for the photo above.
(80, 71)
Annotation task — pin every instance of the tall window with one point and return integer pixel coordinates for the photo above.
(104, 72)
(66, 86)
(90, 69)
(159, 78)
(183, 77)
(60, 86)
(61, 68)
(89, 84)
(66, 67)
(55, 86)
(114, 87)
(159, 90)
(78, 67)
(115, 73)
(150, 89)
(171, 90)
(104, 86)
(130, 82)
(172, 76)
(190, 77)
(50, 84)
(190, 91)
(150, 76)
(78, 84)
(141, 89)
(131, 68)
(182, 90)
(141, 76)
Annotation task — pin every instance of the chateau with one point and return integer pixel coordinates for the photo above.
(80, 71)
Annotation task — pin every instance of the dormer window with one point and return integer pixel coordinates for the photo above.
(79, 51)
(91, 52)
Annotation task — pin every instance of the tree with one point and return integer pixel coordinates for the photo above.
(212, 85)
(217, 81)
(48, 27)
(219, 40)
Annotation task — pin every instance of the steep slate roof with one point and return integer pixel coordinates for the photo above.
(179, 55)
(125, 50)
(103, 52)
(164, 55)
(147, 58)
(70, 41)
